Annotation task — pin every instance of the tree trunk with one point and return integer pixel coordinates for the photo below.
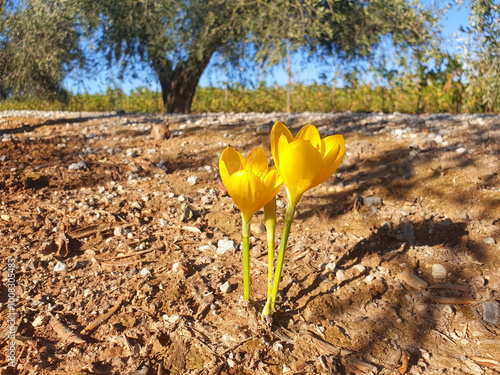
(178, 86)
(178, 91)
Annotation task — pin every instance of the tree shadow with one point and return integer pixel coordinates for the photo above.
(380, 302)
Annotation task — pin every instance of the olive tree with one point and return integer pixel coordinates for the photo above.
(177, 39)
(39, 44)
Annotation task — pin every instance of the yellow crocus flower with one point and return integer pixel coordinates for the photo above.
(250, 182)
(307, 160)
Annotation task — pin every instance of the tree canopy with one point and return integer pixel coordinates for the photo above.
(178, 38)
(39, 44)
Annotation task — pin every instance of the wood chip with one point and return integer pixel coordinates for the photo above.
(67, 335)
(461, 288)
(453, 300)
(405, 359)
(485, 361)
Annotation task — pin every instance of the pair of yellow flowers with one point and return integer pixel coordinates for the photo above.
(301, 163)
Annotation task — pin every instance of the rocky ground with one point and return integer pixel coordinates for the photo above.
(127, 247)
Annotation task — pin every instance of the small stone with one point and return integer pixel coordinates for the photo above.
(257, 228)
(130, 235)
(145, 271)
(277, 347)
(372, 201)
(439, 271)
(87, 293)
(40, 320)
(171, 319)
(340, 276)
(489, 241)
(193, 180)
(206, 199)
(136, 205)
(412, 280)
(77, 166)
(176, 267)
(160, 132)
(224, 246)
(118, 232)
(207, 248)
(225, 288)
(491, 313)
(330, 267)
(461, 150)
(359, 268)
(133, 271)
(60, 267)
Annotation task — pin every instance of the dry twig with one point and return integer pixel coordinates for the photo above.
(101, 319)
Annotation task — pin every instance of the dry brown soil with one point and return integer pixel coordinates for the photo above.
(408, 283)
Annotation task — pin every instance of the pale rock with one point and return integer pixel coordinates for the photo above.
(193, 180)
(40, 320)
(489, 241)
(439, 271)
(77, 166)
(60, 267)
(225, 288)
(224, 245)
(491, 312)
(257, 228)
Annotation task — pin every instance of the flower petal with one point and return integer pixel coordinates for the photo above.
(233, 160)
(278, 129)
(246, 189)
(273, 183)
(311, 134)
(256, 162)
(335, 148)
(300, 164)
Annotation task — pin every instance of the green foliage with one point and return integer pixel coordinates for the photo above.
(437, 96)
(482, 54)
(38, 46)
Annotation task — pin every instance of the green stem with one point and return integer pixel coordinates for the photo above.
(271, 299)
(246, 259)
(270, 220)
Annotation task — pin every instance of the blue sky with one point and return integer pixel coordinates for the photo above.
(302, 72)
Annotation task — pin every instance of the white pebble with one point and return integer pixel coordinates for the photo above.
(193, 180)
(225, 288)
(60, 266)
(439, 271)
(224, 246)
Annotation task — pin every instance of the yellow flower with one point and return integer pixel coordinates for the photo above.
(307, 160)
(250, 182)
